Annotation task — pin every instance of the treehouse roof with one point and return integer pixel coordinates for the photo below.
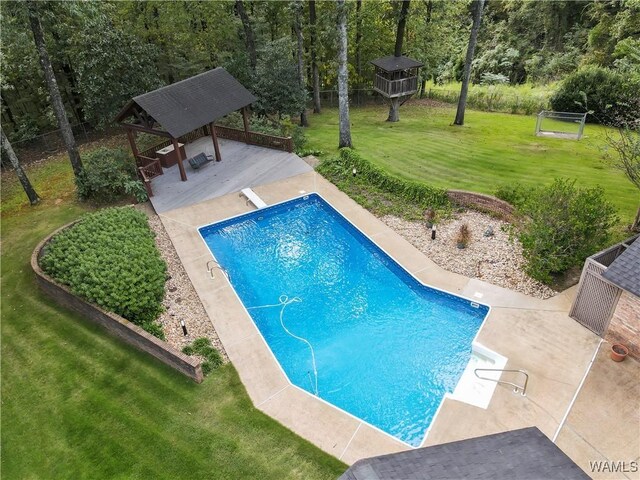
(395, 64)
(188, 104)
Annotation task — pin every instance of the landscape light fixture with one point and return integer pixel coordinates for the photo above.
(354, 171)
(433, 231)
(184, 328)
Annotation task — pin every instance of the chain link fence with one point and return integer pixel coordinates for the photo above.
(49, 143)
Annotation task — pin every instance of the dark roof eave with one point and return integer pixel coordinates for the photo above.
(394, 64)
(184, 106)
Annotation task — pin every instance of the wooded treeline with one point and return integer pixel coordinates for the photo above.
(103, 53)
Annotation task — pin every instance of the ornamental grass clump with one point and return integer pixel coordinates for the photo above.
(109, 258)
(464, 236)
(202, 347)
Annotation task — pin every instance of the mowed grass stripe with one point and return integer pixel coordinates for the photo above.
(490, 150)
(78, 403)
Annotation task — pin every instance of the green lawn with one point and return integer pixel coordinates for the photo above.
(77, 403)
(489, 150)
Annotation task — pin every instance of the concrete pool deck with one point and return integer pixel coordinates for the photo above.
(535, 335)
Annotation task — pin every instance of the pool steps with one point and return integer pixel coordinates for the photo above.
(253, 197)
(476, 391)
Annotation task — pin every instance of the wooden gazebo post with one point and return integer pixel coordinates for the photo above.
(245, 122)
(214, 138)
(132, 142)
(176, 148)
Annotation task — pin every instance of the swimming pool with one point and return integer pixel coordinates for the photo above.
(343, 319)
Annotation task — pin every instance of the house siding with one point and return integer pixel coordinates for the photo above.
(625, 324)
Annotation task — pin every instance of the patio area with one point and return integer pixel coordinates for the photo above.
(578, 397)
(242, 166)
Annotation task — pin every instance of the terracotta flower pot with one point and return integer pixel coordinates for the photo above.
(619, 352)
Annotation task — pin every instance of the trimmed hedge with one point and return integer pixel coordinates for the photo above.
(341, 168)
(110, 258)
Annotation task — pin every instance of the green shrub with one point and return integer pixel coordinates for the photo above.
(561, 225)
(202, 347)
(154, 328)
(109, 258)
(608, 96)
(109, 175)
(514, 193)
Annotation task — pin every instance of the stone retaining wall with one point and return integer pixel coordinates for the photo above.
(114, 324)
(480, 201)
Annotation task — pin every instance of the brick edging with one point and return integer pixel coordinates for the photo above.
(481, 201)
(113, 323)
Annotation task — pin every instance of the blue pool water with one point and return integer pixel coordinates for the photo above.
(385, 347)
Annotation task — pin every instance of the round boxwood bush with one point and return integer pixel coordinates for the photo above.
(610, 97)
(110, 259)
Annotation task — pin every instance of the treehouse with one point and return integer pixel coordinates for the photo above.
(396, 76)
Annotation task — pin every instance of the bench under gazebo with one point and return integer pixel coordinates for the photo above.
(184, 112)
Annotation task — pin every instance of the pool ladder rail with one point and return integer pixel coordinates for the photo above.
(212, 265)
(522, 389)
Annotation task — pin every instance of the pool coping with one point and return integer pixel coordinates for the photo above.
(527, 330)
(474, 342)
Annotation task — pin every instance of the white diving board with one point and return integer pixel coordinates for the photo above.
(253, 198)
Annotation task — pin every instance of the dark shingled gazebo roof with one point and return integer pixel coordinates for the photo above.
(522, 454)
(394, 64)
(192, 103)
(624, 271)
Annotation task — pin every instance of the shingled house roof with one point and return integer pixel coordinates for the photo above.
(192, 103)
(394, 64)
(624, 271)
(522, 454)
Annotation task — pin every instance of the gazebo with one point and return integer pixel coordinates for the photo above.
(185, 111)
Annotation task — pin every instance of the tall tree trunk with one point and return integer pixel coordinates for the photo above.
(358, 60)
(249, 37)
(54, 91)
(7, 110)
(314, 61)
(70, 89)
(343, 78)
(394, 107)
(24, 180)
(297, 27)
(477, 7)
(402, 23)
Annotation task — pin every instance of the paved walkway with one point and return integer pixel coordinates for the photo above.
(535, 335)
(242, 166)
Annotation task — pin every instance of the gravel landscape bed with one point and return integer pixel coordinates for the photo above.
(181, 302)
(494, 259)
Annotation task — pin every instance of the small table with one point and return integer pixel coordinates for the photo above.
(168, 157)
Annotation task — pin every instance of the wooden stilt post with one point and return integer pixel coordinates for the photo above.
(245, 122)
(176, 147)
(132, 142)
(214, 137)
